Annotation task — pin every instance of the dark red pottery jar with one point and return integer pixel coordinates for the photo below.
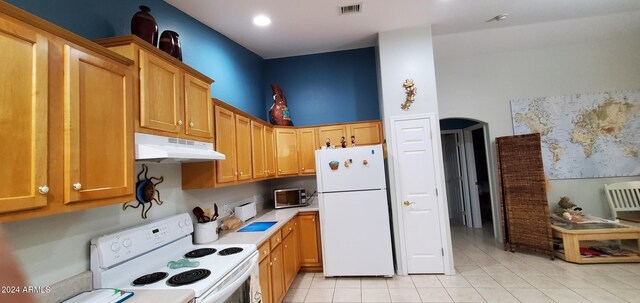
(170, 44)
(144, 25)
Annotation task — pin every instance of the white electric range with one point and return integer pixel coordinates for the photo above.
(138, 258)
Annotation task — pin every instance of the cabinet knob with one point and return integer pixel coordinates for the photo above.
(235, 173)
(303, 168)
(180, 122)
(286, 246)
(274, 259)
(77, 186)
(313, 220)
(289, 228)
(241, 173)
(191, 124)
(280, 169)
(43, 190)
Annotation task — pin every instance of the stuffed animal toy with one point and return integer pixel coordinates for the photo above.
(569, 210)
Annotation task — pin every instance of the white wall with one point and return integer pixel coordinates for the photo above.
(56, 247)
(408, 54)
(479, 72)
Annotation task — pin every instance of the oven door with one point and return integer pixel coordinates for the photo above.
(236, 286)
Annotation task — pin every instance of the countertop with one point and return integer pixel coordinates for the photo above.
(162, 295)
(281, 215)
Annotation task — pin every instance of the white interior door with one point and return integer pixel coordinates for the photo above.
(417, 190)
(453, 177)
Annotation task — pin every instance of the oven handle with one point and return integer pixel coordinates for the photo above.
(227, 291)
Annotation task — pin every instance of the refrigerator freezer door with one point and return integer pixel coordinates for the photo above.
(358, 168)
(356, 237)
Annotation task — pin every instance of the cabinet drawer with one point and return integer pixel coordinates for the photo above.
(275, 239)
(288, 228)
(264, 250)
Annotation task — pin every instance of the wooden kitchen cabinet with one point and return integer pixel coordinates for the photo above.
(334, 133)
(258, 152)
(243, 148)
(172, 98)
(24, 117)
(366, 133)
(98, 140)
(66, 120)
(265, 280)
(226, 144)
(160, 104)
(269, 152)
(286, 151)
(307, 148)
(198, 107)
(278, 288)
(290, 251)
(310, 255)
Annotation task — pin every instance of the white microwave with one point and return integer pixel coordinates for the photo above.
(293, 197)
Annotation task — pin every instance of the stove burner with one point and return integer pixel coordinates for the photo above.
(201, 252)
(188, 277)
(230, 251)
(150, 278)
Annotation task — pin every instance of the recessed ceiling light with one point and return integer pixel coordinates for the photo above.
(261, 20)
(498, 18)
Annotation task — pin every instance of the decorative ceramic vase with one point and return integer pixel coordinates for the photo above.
(170, 44)
(144, 25)
(279, 113)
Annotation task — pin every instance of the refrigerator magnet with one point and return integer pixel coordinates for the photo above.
(334, 165)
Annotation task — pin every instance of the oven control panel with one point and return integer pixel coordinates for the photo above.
(112, 249)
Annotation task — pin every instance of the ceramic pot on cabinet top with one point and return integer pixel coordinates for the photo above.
(170, 44)
(144, 25)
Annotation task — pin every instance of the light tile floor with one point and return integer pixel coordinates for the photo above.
(484, 273)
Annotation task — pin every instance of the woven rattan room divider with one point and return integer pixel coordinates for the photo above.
(523, 196)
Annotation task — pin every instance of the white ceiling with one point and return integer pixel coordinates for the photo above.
(300, 27)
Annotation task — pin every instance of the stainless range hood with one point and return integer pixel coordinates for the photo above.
(151, 148)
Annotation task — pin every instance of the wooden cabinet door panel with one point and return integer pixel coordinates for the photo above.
(289, 257)
(23, 117)
(307, 147)
(269, 152)
(258, 150)
(286, 151)
(226, 144)
(369, 133)
(309, 248)
(265, 280)
(160, 103)
(98, 128)
(334, 133)
(296, 242)
(277, 275)
(198, 107)
(243, 148)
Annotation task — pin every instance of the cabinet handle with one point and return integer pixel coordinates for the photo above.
(43, 190)
(270, 263)
(77, 186)
(180, 122)
(191, 124)
(313, 220)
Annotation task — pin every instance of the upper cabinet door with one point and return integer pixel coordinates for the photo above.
(257, 150)
(23, 118)
(160, 104)
(334, 133)
(368, 133)
(198, 107)
(287, 151)
(98, 128)
(307, 146)
(243, 148)
(226, 144)
(269, 152)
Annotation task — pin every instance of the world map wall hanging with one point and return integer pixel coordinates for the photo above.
(584, 135)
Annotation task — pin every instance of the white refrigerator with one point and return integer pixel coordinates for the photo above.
(354, 213)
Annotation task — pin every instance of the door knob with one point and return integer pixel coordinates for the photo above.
(77, 186)
(407, 203)
(43, 190)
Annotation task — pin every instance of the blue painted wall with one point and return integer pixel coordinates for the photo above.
(237, 71)
(326, 88)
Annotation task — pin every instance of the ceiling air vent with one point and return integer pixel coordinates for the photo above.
(351, 9)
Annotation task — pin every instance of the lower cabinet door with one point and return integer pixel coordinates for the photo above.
(289, 256)
(277, 275)
(265, 280)
(309, 244)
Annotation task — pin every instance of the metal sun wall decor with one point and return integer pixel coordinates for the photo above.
(411, 91)
(145, 192)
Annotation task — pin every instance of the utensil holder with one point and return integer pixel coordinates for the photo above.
(205, 232)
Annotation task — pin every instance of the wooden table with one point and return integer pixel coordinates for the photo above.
(571, 241)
